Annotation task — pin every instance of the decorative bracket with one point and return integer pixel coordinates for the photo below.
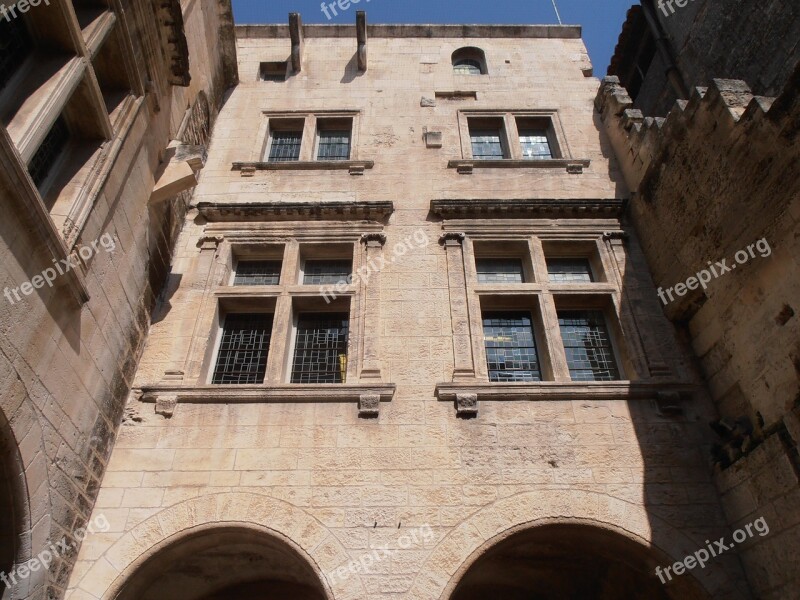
(369, 405)
(452, 238)
(361, 34)
(467, 405)
(296, 33)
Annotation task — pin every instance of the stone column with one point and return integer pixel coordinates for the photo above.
(370, 284)
(464, 362)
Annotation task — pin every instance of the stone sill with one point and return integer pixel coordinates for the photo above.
(467, 393)
(367, 395)
(355, 167)
(573, 166)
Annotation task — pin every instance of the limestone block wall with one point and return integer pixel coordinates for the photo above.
(65, 366)
(709, 181)
(335, 484)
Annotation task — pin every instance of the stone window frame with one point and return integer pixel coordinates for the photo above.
(559, 146)
(190, 382)
(310, 139)
(78, 39)
(539, 296)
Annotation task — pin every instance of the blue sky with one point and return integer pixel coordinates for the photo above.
(601, 19)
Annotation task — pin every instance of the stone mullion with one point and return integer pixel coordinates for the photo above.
(283, 319)
(553, 342)
(464, 363)
(370, 294)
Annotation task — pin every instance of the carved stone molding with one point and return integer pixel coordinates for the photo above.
(452, 238)
(373, 239)
(210, 242)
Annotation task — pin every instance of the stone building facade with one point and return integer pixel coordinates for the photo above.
(492, 404)
(105, 106)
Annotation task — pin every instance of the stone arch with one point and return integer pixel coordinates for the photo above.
(463, 546)
(226, 513)
(22, 469)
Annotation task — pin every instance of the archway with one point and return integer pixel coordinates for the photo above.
(224, 564)
(569, 561)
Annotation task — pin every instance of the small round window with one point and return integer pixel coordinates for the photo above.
(467, 66)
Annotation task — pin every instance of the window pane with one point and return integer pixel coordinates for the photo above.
(535, 145)
(320, 352)
(334, 145)
(486, 144)
(510, 347)
(466, 66)
(569, 270)
(242, 357)
(285, 146)
(47, 154)
(319, 272)
(15, 45)
(588, 346)
(258, 272)
(500, 270)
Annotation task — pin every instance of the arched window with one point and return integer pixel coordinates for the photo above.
(469, 61)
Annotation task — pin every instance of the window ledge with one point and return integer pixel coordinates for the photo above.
(355, 167)
(466, 166)
(467, 394)
(367, 395)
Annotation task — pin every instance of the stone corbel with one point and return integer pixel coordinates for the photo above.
(165, 405)
(178, 170)
(373, 240)
(452, 238)
(369, 406)
(296, 33)
(361, 34)
(210, 242)
(467, 405)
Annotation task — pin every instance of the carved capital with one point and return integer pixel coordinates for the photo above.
(369, 405)
(452, 238)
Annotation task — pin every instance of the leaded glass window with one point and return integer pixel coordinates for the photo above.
(500, 270)
(487, 144)
(326, 272)
(285, 146)
(334, 145)
(467, 66)
(510, 347)
(569, 270)
(588, 346)
(257, 272)
(48, 152)
(535, 145)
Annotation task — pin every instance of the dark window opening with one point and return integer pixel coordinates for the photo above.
(258, 272)
(334, 145)
(16, 45)
(47, 154)
(285, 146)
(242, 357)
(320, 353)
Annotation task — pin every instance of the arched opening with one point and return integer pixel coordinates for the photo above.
(13, 504)
(225, 564)
(469, 61)
(571, 562)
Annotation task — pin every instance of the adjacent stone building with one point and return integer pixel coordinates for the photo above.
(410, 346)
(105, 108)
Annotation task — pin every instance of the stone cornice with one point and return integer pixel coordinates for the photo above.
(592, 208)
(294, 211)
(413, 31)
(239, 394)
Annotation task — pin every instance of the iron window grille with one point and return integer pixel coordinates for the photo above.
(569, 270)
(320, 352)
(467, 66)
(487, 144)
(510, 347)
(334, 145)
(242, 357)
(48, 152)
(535, 145)
(285, 146)
(327, 272)
(587, 344)
(258, 272)
(16, 45)
(500, 270)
